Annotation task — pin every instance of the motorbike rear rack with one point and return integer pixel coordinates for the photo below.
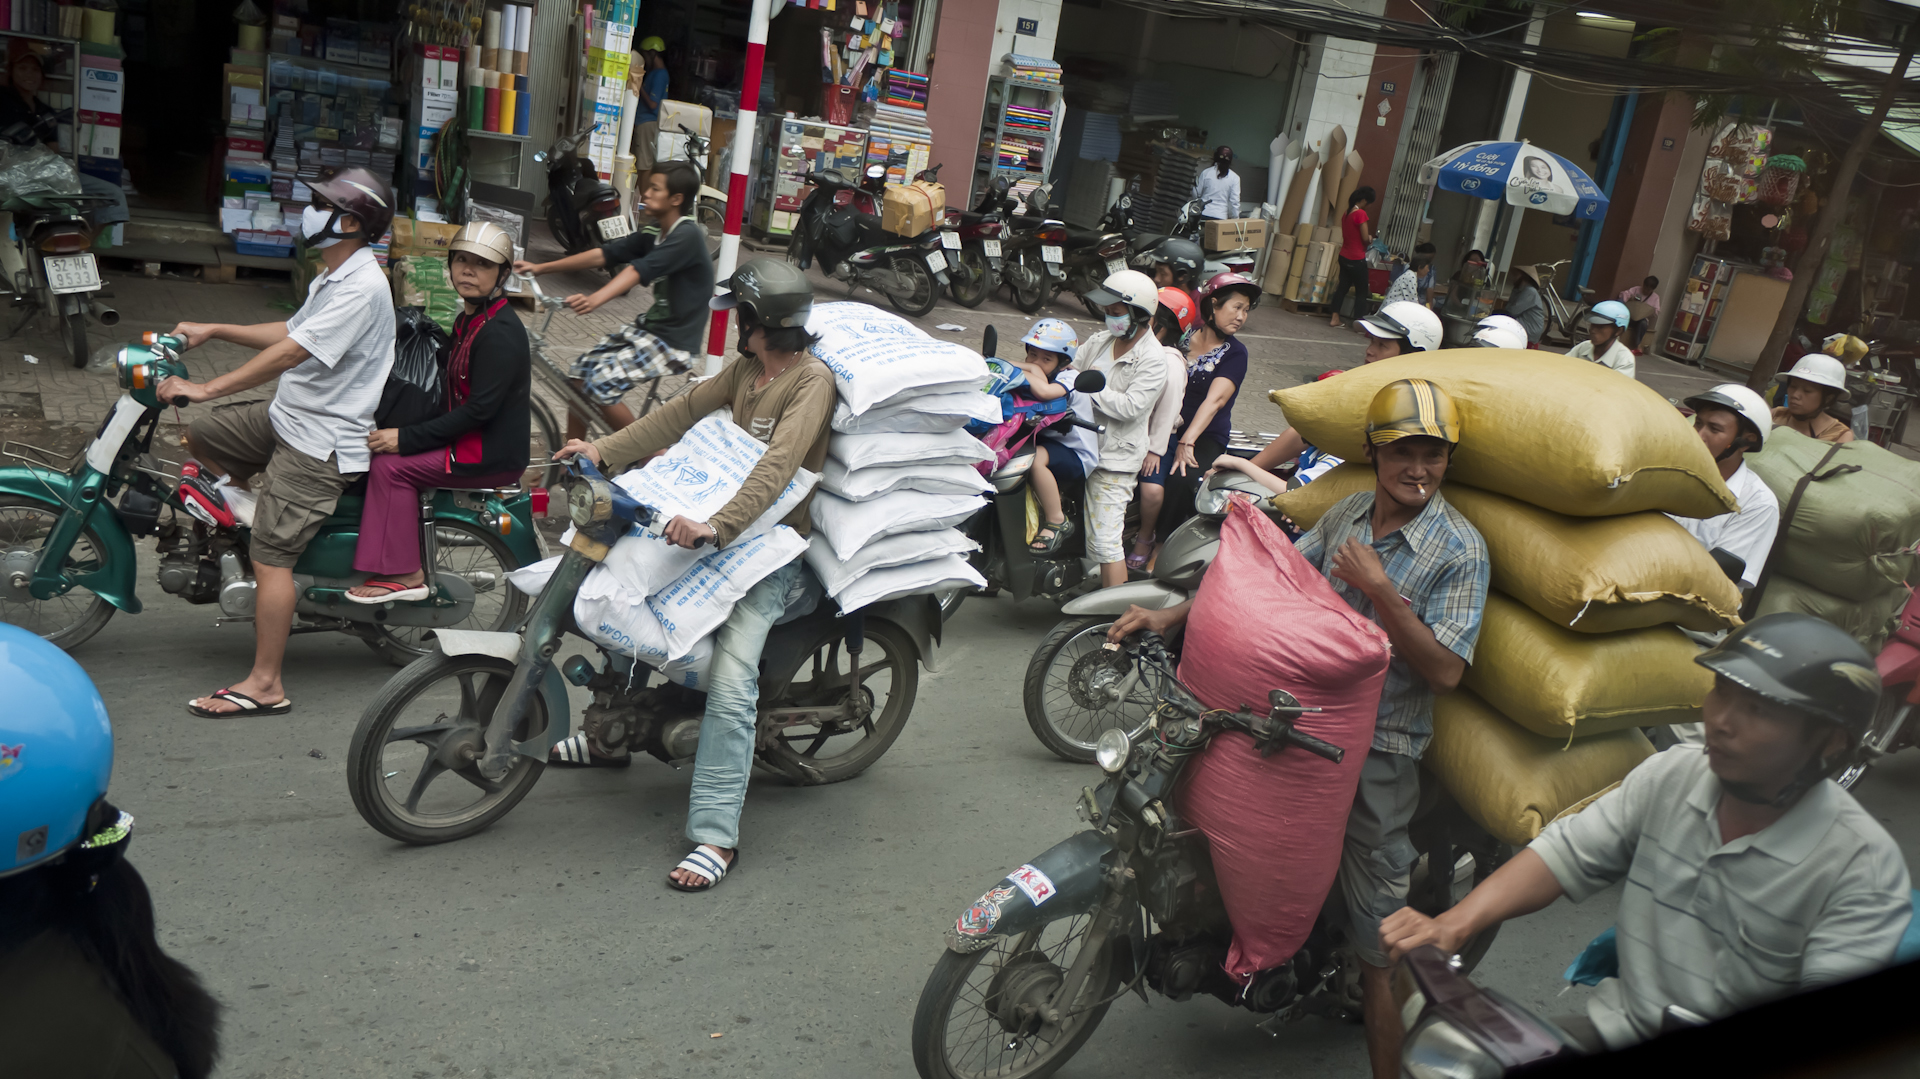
(36, 456)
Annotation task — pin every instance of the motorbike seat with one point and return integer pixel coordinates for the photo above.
(1085, 237)
(970, 217)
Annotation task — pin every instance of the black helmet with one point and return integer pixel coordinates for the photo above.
(1180, 254)
(771, 292)
(1803, 662)
(362, 194)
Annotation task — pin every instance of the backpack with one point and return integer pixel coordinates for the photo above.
(414, 392)
(1007, 381)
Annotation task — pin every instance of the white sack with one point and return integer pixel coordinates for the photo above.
(533, 577)
(699, 474)
(696, 604)
(877, 356)
(897, 550)
(920, 413)
(850, 526)
(617, 618)
(873, 482)
(693, 670)
(645, 562)
(918, 579)
(881, 450)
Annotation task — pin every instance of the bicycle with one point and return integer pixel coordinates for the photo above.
(1568, 319)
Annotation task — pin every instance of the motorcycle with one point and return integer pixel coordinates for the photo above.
(1033, 964)
(971, 241)
(582, 209)
(486, 707)
(48, 264)
(67, 549)
(1034, 248)
(840, 223)
(1455, 1028)
(1899, 666)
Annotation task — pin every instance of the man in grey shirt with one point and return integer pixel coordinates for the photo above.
(1749, 875)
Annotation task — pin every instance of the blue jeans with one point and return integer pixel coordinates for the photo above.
(725, 757)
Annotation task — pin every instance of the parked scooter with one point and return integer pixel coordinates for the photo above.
(1035, 245)
(840, 224)
(1899, 666)
(971, 240)
(454, 741)
(48, 264)
(1033, 964)
(66, 549)
(582, 209)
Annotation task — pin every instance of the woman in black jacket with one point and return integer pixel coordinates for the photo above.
(480, 441)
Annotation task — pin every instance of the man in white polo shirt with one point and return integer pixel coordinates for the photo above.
(1749, 874)
(298, 452)
(1733, 421)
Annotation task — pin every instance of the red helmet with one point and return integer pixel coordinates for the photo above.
(1229, 279)
(362, 194)
(1181, 304)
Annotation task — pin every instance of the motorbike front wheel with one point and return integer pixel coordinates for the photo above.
(412, 764)
(1031, 268)
(917, 290)
(970, 281)
(1063, 692)
(65, 620)
(979, 1013)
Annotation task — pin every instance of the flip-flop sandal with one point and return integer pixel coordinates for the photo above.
(395, 592)
(243, 706)
(573, 752)
(709, 865)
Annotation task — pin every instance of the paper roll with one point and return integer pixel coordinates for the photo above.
(474, 67)
(522, 110)
(490, 114)
(476, 108)
(509, 14)
(523, 30)
(509, 100)
(1276, 164)
(490, 31)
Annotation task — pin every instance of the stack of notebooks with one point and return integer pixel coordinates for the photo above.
(1029, 118)
(905, 89)
(1033, 68)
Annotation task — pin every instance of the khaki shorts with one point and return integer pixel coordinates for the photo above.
(295, 492)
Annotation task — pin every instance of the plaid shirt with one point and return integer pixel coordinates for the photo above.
(1438, 562)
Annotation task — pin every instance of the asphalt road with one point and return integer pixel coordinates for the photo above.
(550, 945)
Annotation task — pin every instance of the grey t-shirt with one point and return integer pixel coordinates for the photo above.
(325, 405)
(679, 313)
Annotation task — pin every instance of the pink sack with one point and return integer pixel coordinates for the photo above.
(1266, 619)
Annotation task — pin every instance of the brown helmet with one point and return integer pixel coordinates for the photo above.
(362, 194)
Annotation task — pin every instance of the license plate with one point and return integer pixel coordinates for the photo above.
(937, 262)
(73, 273)
(612, 228)
(993, 248)
(950, 241)
(1051, 253)
(1116, 265)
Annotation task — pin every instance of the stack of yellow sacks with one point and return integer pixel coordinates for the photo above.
(1567, 470)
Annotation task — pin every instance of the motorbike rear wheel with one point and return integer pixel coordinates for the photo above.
(484, 561)
(427, 723)
(1063, 714)
(76, 327)
(918, 290)
(969, 1022)
(1033, 267)
(969, 283)
(65, 620)
(890, 681)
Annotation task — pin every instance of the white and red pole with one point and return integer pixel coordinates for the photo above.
(742, 165)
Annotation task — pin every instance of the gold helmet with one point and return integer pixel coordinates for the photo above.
(483, 238)
(1412, 407)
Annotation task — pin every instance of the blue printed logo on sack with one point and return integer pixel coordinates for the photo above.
(689, 476)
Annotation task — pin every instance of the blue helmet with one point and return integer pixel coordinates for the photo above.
(1052, 335)
(56, 750)
(1610, 311)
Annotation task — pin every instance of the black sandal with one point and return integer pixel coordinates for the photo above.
(1059, 535)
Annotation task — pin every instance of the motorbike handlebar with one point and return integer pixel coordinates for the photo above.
(1096, 428)
(181, 402)
(1315, 746)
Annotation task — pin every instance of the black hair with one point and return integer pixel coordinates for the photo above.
(1651, 282)
(1421, 260)
(1166, 325)
(779, 338)
(1476, 252)
(1207, 303)
(1425, 249)
(1222, 159)
(681, 179)
(111, 925)
(1360, 195)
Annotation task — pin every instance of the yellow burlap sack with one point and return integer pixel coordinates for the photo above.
(1593, 574)
(1563, 684)
(1569, 435)
(1866, 621)
(1512, 781)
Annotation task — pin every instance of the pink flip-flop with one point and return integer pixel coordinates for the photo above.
(395, 592)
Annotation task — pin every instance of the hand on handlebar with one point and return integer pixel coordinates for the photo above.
(690, 534)
(176, 390)
(1138, 618)
(194, 334)
(580, 447)
(525, 268)
(1406, 929)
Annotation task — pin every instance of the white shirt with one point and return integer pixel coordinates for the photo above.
(1618, 356)
(1818, 896)
(1747, 532)
(1166, 411)
(1134, 381)
(325, 405)
(1220, 194)
(1078, 439)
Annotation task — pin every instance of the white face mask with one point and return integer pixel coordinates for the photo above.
(313, 221)
(1120, 325)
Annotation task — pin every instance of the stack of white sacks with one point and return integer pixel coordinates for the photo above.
(901, 471)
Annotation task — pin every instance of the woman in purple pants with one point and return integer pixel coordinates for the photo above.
(479, 441)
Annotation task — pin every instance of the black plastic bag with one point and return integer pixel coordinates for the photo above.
(414, 392)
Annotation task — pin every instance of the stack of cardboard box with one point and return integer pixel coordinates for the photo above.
(1314, 265)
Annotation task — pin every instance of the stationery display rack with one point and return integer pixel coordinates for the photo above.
(1019, 131)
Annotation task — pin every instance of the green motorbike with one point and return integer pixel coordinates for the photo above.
(67, 531)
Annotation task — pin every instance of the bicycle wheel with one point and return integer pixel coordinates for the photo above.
(483, 561)
(712, 216)
(544, 436)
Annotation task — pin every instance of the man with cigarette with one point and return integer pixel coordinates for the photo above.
(1402, 556)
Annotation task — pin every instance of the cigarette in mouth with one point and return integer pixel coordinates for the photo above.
(1423, 489)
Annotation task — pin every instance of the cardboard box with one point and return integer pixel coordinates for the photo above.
(412, 237)
(1232, 235)
(1323, 234)
(1279, 268)
(911, 209)
(102, 89)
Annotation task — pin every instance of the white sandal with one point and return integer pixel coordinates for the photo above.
(574, 752)
(707, 862)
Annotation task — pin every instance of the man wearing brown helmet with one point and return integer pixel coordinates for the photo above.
(298, 452)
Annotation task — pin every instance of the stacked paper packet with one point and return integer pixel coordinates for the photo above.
(900, 470)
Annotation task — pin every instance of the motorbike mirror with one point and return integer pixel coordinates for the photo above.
(874, 172)
(1090, 382)
(989, 342)
(539, 156)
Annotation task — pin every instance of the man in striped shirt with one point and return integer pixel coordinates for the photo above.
(1749, 875)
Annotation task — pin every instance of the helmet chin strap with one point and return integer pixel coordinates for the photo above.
(1815, 770)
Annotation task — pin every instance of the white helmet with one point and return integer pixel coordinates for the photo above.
(1130, 287)
(1406, 321)
(1819, 370)
(1500, 331)
(1742, 401)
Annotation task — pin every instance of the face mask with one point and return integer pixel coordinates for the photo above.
(313, 222)
(1120, 325)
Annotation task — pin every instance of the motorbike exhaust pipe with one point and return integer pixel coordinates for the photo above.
(106, 316)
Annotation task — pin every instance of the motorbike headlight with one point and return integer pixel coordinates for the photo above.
(589, 501)
(1112, 750)
(1439, 1050)
(1211, 500)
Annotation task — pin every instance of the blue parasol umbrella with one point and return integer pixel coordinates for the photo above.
(1520, 173)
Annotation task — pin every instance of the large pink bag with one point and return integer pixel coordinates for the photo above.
(1266, 619)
